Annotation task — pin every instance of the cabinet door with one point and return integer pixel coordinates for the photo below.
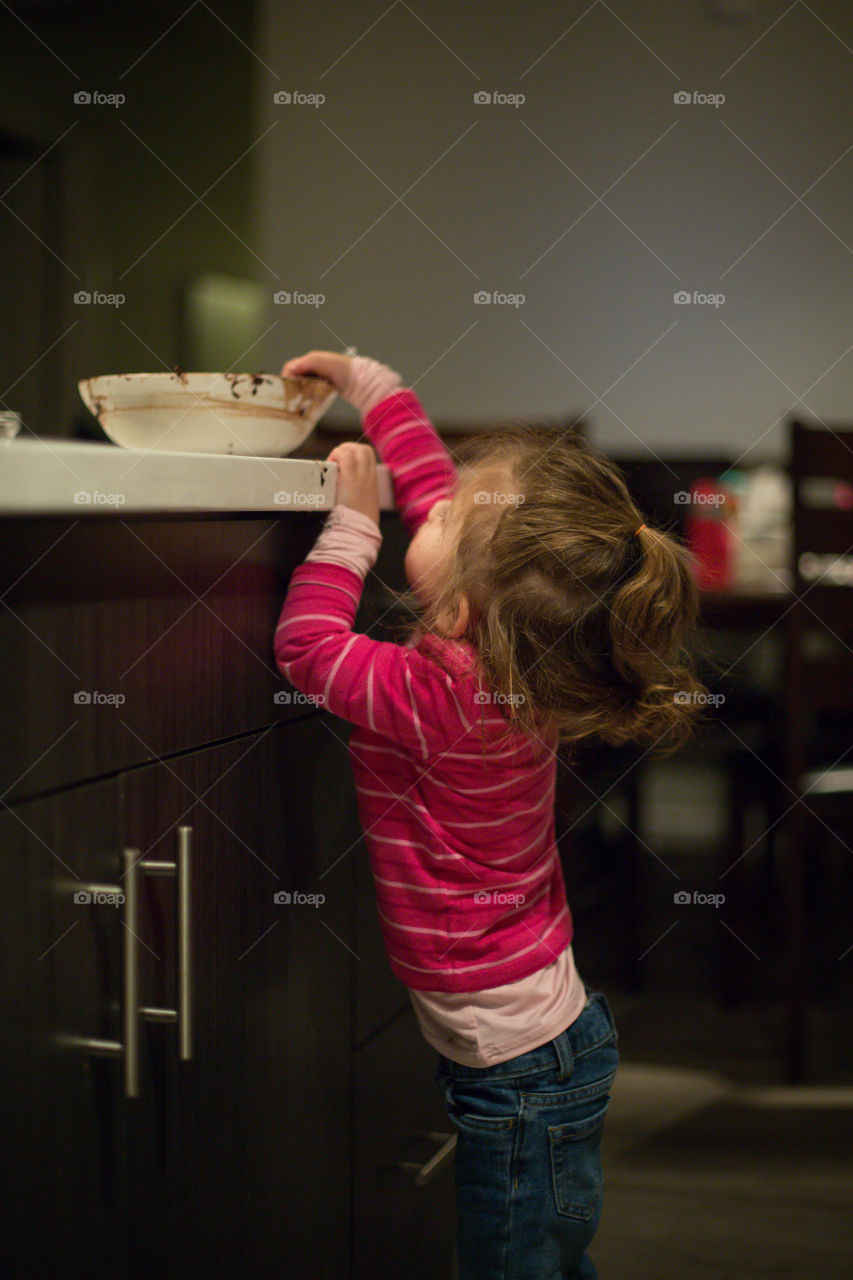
(64, 1173)
(307, 1087)
(139, 610)
(402, 1225)
(241, 1154)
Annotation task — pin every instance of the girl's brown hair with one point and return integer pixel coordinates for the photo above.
(581, 622)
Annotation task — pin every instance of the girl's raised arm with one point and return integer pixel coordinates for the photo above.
(395, 422)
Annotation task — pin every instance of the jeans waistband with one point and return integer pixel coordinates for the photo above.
(591, 1028)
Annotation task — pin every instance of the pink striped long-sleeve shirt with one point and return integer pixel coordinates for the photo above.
(459, 827)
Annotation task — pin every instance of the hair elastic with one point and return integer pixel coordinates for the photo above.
(636, 531)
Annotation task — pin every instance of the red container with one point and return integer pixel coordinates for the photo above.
(709, 535)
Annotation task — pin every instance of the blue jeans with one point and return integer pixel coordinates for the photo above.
(528, 1152)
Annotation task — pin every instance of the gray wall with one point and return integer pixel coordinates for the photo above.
(94, 207)
(502, 209)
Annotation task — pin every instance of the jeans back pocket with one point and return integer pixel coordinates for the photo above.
(576, 1164)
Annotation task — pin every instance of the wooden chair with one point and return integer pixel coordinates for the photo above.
(739, 741)
(818, 696)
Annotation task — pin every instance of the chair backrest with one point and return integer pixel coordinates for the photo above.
(819, 684)
(821, 464)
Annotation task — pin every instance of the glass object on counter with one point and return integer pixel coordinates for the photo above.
(10, 424)
(762, 529)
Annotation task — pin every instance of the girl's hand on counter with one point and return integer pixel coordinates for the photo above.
(328, 364)
(358, 484)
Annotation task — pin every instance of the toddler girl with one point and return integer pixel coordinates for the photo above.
(547, 613)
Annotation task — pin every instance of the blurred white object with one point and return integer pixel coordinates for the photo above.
(222, 314)
(248, 414)
(762, 523)
(10, 424)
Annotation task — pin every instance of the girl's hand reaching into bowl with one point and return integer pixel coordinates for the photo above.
(360, 381)
(358, 484)
(328, 364)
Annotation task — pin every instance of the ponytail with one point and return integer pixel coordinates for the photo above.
(651, 617)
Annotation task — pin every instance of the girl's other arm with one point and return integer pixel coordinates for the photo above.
(396, 423)
(382, 686)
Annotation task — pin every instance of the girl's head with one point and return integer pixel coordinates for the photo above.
(580, 622)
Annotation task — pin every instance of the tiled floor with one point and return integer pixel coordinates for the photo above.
(708, 1180)
(715, 1167)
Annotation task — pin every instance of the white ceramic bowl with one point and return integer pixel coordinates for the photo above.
(252, 414)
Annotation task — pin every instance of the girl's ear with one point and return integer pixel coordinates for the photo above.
(460, 626)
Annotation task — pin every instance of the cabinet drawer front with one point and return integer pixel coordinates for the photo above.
(135, 639)
(400, 1228)
(255, 1160)
(65, 1151)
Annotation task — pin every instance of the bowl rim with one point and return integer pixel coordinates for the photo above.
(181, 377)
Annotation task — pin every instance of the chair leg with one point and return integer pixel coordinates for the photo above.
(632, 933)
(731, 954)
(795, 949)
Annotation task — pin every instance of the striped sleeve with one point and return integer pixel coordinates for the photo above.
(408, 444)
(398, 692)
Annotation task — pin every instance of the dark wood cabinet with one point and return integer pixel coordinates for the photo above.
(65, 1184)
(174, 617)
(403, 1208)
(263, 1151)
(243, 1150)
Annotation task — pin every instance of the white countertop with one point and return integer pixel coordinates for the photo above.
(76, 477)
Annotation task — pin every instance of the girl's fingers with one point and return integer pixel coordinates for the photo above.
(349, 453)
(301, 365)
(328, 364)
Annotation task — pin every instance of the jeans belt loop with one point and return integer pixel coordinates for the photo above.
(565, 1057)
